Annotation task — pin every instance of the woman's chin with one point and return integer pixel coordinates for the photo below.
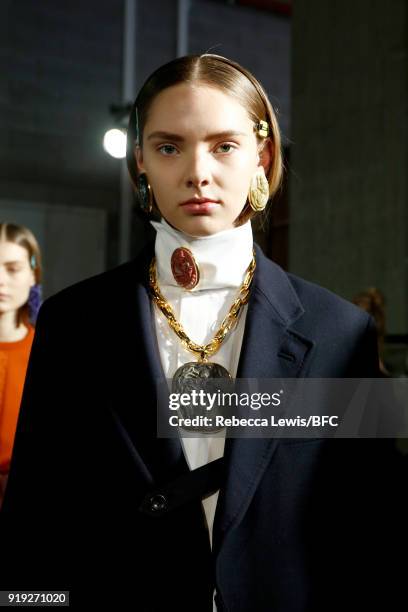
(197, 225)
(203, 225)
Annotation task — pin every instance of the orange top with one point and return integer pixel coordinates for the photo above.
(13, 366)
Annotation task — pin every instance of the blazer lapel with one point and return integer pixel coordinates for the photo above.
(135, 412)
(270, 349)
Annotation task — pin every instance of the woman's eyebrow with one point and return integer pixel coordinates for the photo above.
(178, 138)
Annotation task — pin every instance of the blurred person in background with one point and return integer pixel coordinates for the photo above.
(372, 300)
(20, 299)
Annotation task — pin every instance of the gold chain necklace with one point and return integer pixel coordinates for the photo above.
(193, 374)
(207, 350)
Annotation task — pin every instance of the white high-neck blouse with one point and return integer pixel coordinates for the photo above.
(222, 259)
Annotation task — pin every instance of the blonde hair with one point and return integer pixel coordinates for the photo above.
(18, 234)
(229, 77)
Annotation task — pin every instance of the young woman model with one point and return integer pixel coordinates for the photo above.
(98, 503)
(20, 295)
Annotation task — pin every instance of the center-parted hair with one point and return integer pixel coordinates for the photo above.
(230, 78)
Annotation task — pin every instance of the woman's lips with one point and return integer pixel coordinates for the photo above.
(200, 207)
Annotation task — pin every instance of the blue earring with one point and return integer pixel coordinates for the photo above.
(35, 296)
(34, 302)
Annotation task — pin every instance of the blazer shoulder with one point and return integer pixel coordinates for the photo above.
(305, 303)
(325, 303)
(345, 335)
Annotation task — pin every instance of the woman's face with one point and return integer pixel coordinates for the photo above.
(16, 276)
(199, 143)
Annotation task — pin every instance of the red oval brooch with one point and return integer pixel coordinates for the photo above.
(184, 268)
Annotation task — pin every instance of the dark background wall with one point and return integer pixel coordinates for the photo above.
(60, 66)
(348, 190)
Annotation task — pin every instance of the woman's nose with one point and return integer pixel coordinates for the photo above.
(198, 172)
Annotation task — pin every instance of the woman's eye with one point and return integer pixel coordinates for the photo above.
(167, 149)
(226, 147)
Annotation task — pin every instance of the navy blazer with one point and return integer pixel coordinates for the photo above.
(301, 524)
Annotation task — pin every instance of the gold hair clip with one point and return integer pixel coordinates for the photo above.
(262, 128)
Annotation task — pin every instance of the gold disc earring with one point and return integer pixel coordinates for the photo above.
(258, 194)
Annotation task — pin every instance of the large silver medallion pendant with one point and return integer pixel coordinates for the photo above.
(209, 380)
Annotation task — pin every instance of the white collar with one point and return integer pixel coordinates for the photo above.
(222, 258)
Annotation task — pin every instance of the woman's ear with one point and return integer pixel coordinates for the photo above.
(266, 154)
(139, 159)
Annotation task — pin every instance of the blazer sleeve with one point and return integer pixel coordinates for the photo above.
(32, 534)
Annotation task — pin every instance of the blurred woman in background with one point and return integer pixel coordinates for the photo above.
(20, 298)
(372, 301)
